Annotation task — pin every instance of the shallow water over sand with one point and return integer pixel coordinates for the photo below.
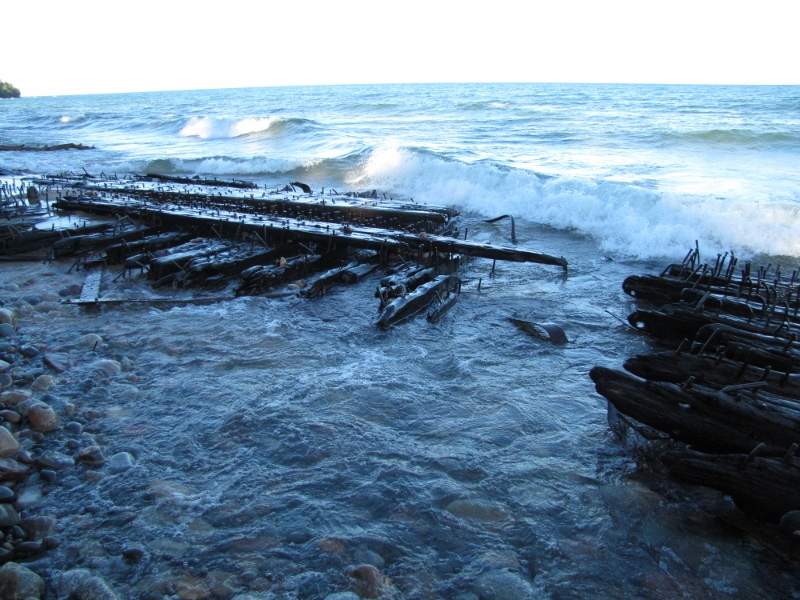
(280, 442)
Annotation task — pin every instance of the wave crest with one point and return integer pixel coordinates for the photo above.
(626, 219)
(220, 127)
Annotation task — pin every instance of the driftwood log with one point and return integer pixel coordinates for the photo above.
(708, 420)
(766, 488)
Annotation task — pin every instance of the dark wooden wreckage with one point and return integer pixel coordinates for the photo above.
(729, 390)
(184, 231)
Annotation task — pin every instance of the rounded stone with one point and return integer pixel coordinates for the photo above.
(91, 340)
(39, 527)
(369, 581)
(790, 522)
(8, 516)
(5, 381)
(92, 456)
(8, 443)
(12, 397)
(43, 383)
(4, 365)
(18, 582)
(7, 330)
(107, 367)
(503, 585)
(10, 416)
(6, 494)
(42, 417)
(48, 476)
(8, 316)
(74, 428)
(121, 461)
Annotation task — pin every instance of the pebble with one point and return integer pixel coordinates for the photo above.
(42, 417)
(18, 582)
(79, 584)
(6, 494)
(92, 455)
(73, 427)
(43, 383)
(7, 330)
(108, 367)
(12, 397)
(48, 476)
(5, 380)
(503, 585)
(121, 461)
(28, 497)
(790, 522)
(4, 365)
(38, 527)
(8, 443)
(133, 554)
(8, 316)
(369, 581)
(57, 361)
(10, 416)
(8, 516)
(50, 459)
(29, 351)
(91, 340)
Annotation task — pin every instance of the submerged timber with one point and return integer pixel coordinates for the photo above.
(185, 231)
(728, 391)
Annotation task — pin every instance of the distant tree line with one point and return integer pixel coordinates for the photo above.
(8, 91)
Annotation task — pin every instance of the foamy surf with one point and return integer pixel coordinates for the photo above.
(219, 127)
(625, 219)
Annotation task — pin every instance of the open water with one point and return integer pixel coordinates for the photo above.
(279, 442)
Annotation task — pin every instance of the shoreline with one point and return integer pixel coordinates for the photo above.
(54, 434)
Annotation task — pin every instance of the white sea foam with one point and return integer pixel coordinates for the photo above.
(624, 218)
(219, 127)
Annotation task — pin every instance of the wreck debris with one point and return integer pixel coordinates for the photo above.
(729, 391)
(182, 231)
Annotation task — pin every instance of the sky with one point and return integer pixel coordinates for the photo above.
(87, 46)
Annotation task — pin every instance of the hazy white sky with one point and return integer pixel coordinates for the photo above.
(90, 46)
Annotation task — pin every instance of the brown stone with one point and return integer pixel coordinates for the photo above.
(42, 417)
(8, 443)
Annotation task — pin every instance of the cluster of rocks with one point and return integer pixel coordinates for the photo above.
(46, 441)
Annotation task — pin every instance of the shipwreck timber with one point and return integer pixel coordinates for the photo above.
(184, 231)
(729, 391)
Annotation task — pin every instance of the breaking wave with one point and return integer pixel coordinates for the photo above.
(221, 127)
(626, 219)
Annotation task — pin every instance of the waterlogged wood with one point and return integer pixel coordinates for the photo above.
(120, 252)
(718, 335)
(91, 287)
(679, 321)
(177, 259)
(544, 331)
(710, 371)
(763, 487)
(93, 241)
(234, 183)
(709, 420)
(228, 262)
(442, 309)
(24, 148)
(402, 308)
(261, 278)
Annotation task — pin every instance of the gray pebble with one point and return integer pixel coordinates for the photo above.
(48, 476)
(74, 428)
(29, 351)
(6, 494)
(122, 461)
(7, 330)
